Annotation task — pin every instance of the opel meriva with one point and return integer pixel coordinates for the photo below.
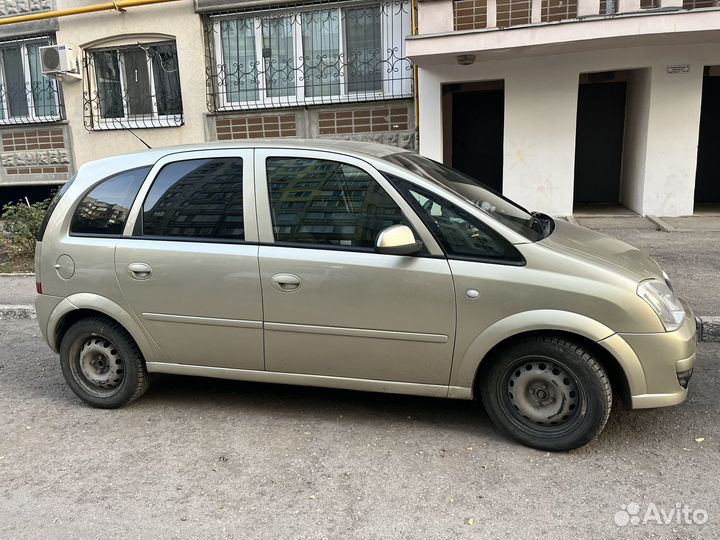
(355, 266)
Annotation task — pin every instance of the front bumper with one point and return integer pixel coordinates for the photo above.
(666, 360)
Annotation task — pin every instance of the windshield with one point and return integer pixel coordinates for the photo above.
(531, 225)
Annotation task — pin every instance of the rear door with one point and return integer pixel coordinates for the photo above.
(187, 263)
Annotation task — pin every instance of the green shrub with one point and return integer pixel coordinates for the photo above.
(21, 224)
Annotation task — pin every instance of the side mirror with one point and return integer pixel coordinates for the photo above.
(397, 240)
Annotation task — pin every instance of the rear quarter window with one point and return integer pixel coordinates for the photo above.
(51, 208)
(104, 209)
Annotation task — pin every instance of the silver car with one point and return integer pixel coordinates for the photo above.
(356, 266)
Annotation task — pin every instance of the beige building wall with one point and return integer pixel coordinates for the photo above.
(176, 20)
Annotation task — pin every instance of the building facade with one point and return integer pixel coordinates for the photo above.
(563, 105)
(193, 71)
(567, 105)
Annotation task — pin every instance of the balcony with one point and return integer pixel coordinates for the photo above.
(492, 29)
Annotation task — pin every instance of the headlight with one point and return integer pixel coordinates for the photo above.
(664, 302)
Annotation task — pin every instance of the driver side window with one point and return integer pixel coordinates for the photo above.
(460, 234)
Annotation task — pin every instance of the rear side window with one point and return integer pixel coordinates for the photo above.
(198, 199)
(105, 208)
(51, 208)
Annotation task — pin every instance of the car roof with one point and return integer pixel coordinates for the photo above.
(112, 165)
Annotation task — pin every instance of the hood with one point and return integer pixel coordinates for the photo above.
(595, 248)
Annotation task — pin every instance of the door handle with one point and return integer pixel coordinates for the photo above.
(286, 282)
(139, 270)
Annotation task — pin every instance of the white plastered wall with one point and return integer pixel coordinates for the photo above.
(540, 116)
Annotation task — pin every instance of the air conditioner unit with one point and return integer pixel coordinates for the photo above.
(59, 60)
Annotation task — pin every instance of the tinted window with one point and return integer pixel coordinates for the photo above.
(344, 206)
(197, 198)
(105, 209)
(460, 234)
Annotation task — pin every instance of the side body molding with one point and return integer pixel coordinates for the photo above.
(468, 359)
(98, 303)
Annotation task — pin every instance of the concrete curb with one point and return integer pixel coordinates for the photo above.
(708, 327)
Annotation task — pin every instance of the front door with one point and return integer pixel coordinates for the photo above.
(187, 271)
(331, 305)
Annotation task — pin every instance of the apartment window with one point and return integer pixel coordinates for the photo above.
(134, 86)
(322, 55)
(26, 96)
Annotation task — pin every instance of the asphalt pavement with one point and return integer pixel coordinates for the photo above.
(203, 458)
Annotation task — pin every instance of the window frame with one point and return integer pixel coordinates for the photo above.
(264, 217)
(133, 224)
(31, 117)
(128, 121)
(391, 88)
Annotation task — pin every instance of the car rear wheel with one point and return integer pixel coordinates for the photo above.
(547, 392)
(102, 364)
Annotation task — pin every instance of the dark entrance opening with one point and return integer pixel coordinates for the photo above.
(19, 193)
(707, 179)
(599, 138)
(476, 134)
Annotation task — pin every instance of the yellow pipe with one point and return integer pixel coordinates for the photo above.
(118, 5)
(414, 31)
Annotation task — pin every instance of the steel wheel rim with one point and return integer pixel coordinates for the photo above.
(98, 366)
(542, 395)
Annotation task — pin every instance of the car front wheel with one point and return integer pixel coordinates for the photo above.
(102, 363)
(547, 392)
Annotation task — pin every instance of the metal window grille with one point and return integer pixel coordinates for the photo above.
(26, 95)
(317, 54)
(558, 10)
(649, 4)
(512, 12)
(132, 87)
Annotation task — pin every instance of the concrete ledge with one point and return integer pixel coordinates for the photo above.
(708, 327)
(16, 311)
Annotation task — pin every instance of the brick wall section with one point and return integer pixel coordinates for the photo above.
(470, 14)
(363, 120)
(512, 12)
(34, 139)
(558, 10)
(256, 127)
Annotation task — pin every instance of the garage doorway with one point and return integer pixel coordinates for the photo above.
(474, 128)
(599, 140)
(707, 179)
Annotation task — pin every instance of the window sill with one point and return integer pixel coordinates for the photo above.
(25, 120)
(138, 123)
(295, 101)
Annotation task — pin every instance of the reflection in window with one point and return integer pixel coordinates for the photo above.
(200, 198)
(105, 209)
(354, 217)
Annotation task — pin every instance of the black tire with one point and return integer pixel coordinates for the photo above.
(102, 363)
(547, 392)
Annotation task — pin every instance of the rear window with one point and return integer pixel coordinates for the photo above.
(105, 208)
(51, 208)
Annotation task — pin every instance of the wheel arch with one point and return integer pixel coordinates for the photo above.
(617, 358)
(79, 306)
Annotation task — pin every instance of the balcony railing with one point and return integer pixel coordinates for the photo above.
(478, 14)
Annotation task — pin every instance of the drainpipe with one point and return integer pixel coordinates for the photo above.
(414, 32)
(118, 5)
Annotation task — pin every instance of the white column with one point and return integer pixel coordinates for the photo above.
(589, 7)
(491, 13)
(430, 104)
(536, 11)
(435, 16)
(626, 6)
